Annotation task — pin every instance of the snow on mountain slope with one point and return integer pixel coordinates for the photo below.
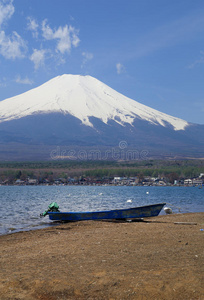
(83, 97)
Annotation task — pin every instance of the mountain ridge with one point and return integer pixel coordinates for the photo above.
(83, 97)
(80, 112)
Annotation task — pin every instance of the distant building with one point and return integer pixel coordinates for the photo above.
(32, 181)
(188, 181)
(20, 182)
(197, 181)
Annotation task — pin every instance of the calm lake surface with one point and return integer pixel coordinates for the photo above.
(21, 205)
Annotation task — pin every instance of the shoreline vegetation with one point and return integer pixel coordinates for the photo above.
(158, 258)
(147, 172)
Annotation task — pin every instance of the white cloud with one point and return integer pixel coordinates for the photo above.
(25, 80)
(32, 25)
(66, 36)
(38, 57)
(75, 38)
(198, 61)
(6, 11)
(13, 46)
(120, 68)
(87, 56)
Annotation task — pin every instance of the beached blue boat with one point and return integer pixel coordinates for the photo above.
(129, 213)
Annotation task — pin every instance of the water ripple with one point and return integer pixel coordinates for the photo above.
(21, 205)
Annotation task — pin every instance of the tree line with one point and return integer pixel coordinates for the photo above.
(171, 170)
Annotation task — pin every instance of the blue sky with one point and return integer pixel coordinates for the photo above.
(150, 51)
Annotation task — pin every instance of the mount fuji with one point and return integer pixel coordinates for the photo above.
(73, 111)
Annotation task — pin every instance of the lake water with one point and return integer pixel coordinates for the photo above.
(21, 205)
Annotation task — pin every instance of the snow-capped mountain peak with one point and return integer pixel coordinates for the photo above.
(83, 97)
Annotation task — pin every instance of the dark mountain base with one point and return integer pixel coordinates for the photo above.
(23, 152)
(56, 136)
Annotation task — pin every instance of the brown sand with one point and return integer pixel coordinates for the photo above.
(106, 260)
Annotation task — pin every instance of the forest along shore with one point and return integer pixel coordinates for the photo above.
(130, 173)
(159, 258)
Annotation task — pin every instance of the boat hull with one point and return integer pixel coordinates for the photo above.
(130, 213)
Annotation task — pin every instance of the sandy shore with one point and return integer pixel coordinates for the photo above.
(157, 259)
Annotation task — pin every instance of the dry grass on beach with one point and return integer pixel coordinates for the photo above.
(157, 259)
